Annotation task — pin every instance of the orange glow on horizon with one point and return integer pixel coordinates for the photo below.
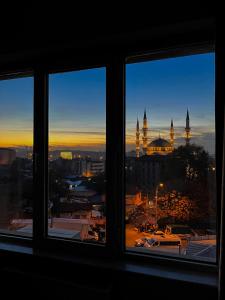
(84, 138)
(21, 138)
(72, 140)
(14, 138)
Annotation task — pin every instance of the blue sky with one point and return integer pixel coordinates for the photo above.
(16, 113)
(166, 88)
(77, 109)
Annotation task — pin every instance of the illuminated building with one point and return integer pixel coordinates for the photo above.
(145, 133)
(66, 155)
(137, 140)
(93, 168)
(158, 146)
(187, 129)
(152, 157)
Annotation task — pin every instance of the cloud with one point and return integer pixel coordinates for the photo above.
(77, 132)
(71, 146)
(19, 130)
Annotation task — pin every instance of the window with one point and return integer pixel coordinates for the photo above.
(16, 156)
(77, 137)
(159, 178)
(170, 205)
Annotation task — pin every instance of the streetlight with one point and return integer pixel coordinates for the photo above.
(156, 200)
(50, 205)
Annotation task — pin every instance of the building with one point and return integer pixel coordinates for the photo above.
(149, 170)
(150, 164)
(66, 155)
(97, 167)
(158, 146)
(78, 166)
(7, 156)
(87, 167)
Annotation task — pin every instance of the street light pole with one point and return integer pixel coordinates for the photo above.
(156, 201)
(156, 204)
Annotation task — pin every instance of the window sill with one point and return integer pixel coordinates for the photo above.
(209, 279)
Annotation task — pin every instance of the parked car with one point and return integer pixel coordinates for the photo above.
(183, 231)
(92, 236)
(156, 241)
(140, 242)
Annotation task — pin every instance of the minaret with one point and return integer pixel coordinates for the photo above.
(145, 132)
(137, 140)
(187, 129)
(172, 134)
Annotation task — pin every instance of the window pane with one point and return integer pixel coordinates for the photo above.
(16, 156)
(77, 155)
(170, 157)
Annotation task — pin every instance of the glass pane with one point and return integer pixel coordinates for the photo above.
(16, 156)
(170, 157)
(77, 139)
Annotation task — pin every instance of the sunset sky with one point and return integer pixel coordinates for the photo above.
(77, 109)
(16, 114)
(165, 88)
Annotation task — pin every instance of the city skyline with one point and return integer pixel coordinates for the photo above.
(166, 88)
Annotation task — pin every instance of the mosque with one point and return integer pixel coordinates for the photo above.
(158, 146)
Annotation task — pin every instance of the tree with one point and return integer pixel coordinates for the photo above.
(187, 173)
(177, 207)
(189, 163)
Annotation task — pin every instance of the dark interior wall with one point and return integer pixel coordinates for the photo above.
(39, 26)
(36, 33)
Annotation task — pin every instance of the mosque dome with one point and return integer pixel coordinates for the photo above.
(159, 143)
(159, 146)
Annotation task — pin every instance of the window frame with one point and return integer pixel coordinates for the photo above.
(173, 52)
(49, 242)
(159, 45)
(6, 237)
